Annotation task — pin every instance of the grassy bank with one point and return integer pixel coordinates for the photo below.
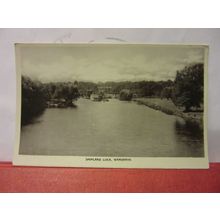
(168, 107)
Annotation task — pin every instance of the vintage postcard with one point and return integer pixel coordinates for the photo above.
(112, 105)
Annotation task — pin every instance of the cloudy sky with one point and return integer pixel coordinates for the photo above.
(101, 63)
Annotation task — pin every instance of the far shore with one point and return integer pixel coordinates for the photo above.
(168, 107)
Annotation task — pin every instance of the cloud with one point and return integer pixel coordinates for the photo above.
(106, 62)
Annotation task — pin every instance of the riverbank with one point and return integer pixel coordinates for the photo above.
(168, 107)
(86, 131)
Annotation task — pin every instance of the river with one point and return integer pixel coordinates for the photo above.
(114, 128)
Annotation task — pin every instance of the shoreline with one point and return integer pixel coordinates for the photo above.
(167, 107)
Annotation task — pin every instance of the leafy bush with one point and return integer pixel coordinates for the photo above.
(125, 95)
(33, 100)
(188, 87)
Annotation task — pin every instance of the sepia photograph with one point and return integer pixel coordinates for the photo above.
(111, 105)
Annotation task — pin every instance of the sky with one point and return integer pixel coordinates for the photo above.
(106, 62)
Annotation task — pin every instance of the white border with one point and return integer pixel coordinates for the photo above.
(110, 13)
(107, 206)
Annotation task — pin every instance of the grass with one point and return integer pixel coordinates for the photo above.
(168, 107)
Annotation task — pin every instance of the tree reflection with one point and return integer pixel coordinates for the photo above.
(189, 128)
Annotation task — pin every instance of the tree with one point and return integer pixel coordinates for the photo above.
(66, 91)
(188, 87)
(167, 92)
(33, 100)
(125, 95)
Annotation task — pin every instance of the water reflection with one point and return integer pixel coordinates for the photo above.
(189, 136)
(113, 128)
(189, 128)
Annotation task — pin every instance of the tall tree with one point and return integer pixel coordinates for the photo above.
(33, 100)
(188, 86)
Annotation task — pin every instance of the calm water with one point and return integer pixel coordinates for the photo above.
(113, 128)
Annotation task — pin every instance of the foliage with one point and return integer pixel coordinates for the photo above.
(33, 100)
(167, 92)
(62, 90)
(186, 90)
(125, 95)
(35, 96)
(86, 88)
(140, 88)
(188, 86)
(66, 91)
